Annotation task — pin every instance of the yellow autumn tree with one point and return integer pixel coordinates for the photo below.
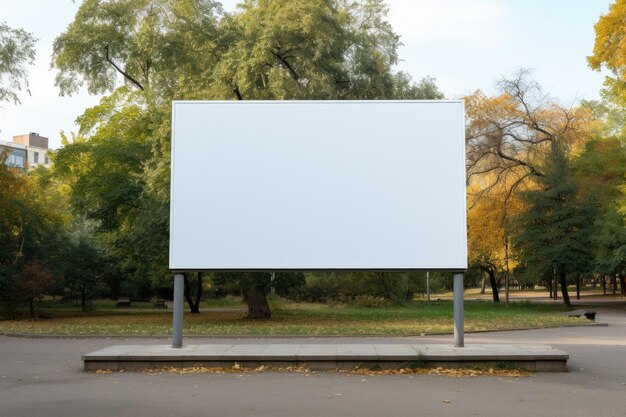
(509, 138)
(511, 134)
(489, 228)
(609, 50)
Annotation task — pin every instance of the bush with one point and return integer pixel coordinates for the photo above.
(395, 287)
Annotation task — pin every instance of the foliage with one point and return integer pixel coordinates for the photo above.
(555, 232)
(34, 281)
(31, 218)
(82, 266)
(489, 230)
(117, 168)
(509, 136)
(397, 287)
(609, 51)
(17, 51)
(105, 179)
(513, 143)
(601, 172)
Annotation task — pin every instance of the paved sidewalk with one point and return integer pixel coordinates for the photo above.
(44, 378)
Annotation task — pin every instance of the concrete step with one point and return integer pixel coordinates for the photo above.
(327, 356)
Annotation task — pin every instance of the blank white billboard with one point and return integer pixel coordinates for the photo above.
(314, 185)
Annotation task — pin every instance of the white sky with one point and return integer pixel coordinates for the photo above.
(465, 44)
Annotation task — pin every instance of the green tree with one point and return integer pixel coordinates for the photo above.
(601, 172)
(189, 49)
(83, 272)
(105, 170)
(554, 233)
(17, 51)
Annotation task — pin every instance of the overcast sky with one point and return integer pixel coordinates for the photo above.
(465, 44)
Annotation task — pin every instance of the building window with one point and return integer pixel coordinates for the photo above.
(15, 160)
(36, 157)
(47, 160)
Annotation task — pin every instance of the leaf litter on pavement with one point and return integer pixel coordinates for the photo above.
(303, 369)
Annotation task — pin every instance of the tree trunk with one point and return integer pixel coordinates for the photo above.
(614, 281)
(494, 285)
(272, 278)
(550, 288)
(199, 291)
(83, 299)
(258, 308)
(622, 284)
(194, 306)
(31, 305)
(578, 287)
(483, 284)
(563, 282)
(507, 277)
(604, 284)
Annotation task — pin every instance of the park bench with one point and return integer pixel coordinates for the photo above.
(123, 302)
(589, 315)
(160, 304)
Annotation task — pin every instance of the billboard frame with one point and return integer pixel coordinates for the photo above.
(458, 286)
(462, 163)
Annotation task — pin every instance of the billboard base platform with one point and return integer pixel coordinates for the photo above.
(327, 356)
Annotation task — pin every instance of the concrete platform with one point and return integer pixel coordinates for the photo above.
(327, 356)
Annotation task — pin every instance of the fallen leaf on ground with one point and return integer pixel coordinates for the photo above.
(241, 370)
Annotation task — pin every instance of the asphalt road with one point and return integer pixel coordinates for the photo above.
(43, 377)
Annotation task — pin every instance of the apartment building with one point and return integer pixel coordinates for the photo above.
(26, 151)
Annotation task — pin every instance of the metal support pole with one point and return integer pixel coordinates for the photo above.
(177, 319)
(427, 285)
(459, 333)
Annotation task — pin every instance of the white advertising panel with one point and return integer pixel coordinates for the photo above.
(315, 185)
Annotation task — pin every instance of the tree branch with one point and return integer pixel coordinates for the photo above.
(238, 93)
(286, 64)
(126, 75)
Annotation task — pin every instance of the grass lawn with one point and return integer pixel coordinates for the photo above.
(294, 319)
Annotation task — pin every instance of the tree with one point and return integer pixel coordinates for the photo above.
(489, 231)
(33, 282)
(154, 46)
(194, 302)
(104, 178)
(189, 49)
(510, 140)
(600, 170)
(82, 273)
(17, 51)
(609, 51)
(31, 217)
(254, 287)
(510, 135)
(555, 232)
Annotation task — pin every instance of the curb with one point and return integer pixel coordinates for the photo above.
(290, 336)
